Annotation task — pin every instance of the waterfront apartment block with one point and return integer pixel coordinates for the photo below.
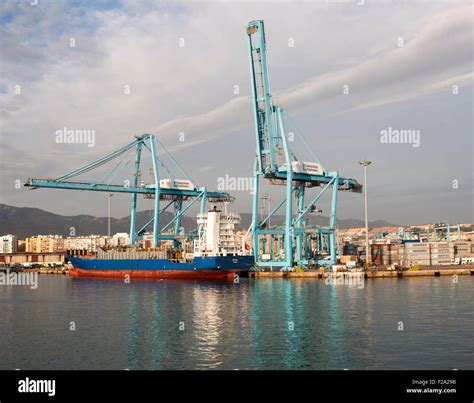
(44, 244)
(90, 243)
(8, 244)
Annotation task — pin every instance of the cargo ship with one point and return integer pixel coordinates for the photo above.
(216, 255)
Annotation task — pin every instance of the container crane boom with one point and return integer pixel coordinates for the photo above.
(296, 175)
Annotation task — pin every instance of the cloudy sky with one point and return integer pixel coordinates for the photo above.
(344, 73)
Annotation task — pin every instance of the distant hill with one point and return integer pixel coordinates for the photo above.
(26, 221)
(320, 220)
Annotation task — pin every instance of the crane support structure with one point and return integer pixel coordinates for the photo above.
(175, 196)
(294, 243)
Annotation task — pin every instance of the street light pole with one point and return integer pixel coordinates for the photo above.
(365, 164)
(109, 197)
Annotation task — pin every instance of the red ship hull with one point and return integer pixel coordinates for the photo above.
(155, 274)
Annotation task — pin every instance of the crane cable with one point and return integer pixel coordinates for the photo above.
(96, 164)
(116, 170)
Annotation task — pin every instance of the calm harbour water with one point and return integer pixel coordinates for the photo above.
(238, 326)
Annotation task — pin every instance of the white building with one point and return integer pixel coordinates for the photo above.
(8, 244)
(120, 239)
(89, 243)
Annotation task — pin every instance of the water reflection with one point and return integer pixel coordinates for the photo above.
(207, 326)
(257, 324)
(294, 329)
(132, 337)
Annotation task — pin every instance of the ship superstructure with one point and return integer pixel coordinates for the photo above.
(216, 234)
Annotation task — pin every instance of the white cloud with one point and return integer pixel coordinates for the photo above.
(407, 72)
(461, 81)
(190, 89)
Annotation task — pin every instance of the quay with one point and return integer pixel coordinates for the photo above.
(43, 258)
(423, 271)
(49, 270)
(42, 270)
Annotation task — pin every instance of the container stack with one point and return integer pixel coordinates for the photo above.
(349, 253)
(401, 254)
(392, 254)
(348, 258)
(462, 248)
(116, 255)
(385, 254)
(442, 253)
(349, 249)
(377, 257)
(417, 254)
(420, 253)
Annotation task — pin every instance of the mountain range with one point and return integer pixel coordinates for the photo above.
(27, 221)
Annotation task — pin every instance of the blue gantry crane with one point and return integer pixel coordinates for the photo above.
(182, 193)
(294, 243)
(441, 232)
(444, 231)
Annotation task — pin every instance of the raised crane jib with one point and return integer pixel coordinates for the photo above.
(264, 112)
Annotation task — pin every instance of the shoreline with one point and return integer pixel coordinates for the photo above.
(424, 271)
